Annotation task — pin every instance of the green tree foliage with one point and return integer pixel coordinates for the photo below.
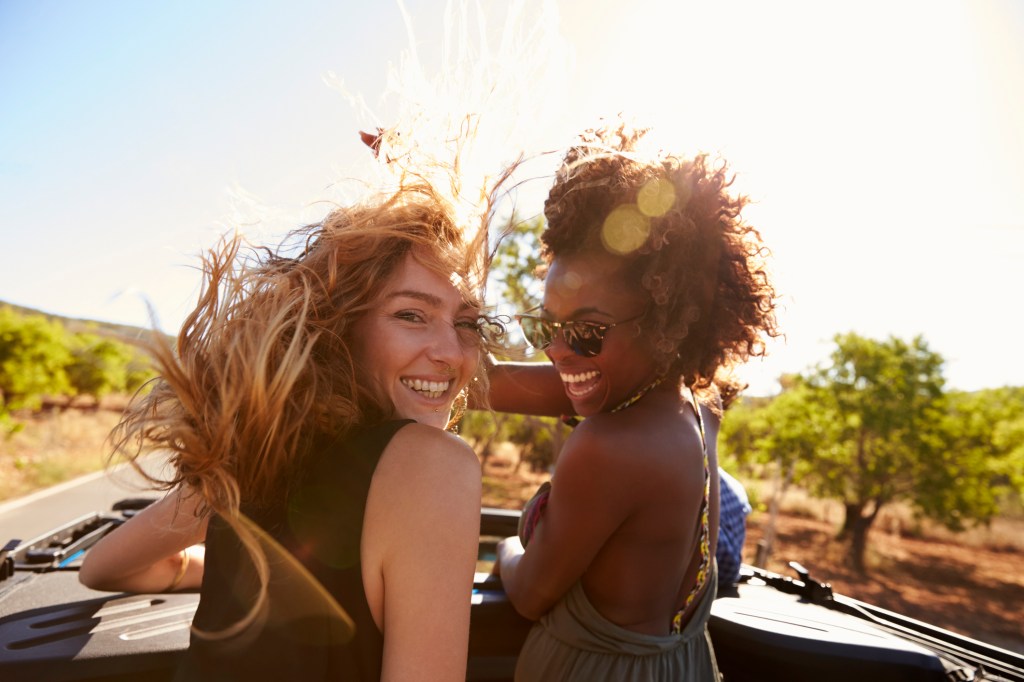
(884, 403)
(33, 357)
(516, 265)
(99, 366)
(515, 269)
(39, 358)
(783, 435)
(138, 371)
(983, 455)
(874, 425)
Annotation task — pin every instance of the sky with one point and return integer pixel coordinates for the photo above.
(880, 143)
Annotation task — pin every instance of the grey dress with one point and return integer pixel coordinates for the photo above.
(575, 642)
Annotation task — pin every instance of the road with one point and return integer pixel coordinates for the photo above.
(33, 515)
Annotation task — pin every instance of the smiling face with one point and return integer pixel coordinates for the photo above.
(596, 288)
(420, 344)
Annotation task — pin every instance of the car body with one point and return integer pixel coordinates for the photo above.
(769, 627)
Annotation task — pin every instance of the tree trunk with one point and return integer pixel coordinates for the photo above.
(486, 449)
(782, 481)
(853, 510)
(855, 528)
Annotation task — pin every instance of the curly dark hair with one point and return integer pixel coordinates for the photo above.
(678, 227)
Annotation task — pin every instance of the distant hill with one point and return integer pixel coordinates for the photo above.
(73, 324)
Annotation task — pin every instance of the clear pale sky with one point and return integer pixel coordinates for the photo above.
(881, 142)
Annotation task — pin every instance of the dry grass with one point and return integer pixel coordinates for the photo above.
(1004, 533)
(503, 486)
(54, 446)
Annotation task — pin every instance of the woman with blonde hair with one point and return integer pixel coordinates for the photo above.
(305, 411)
(655, 289)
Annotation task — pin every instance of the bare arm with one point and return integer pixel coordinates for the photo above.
(586, 506)
(527, 388)
(151, 551)
(420, 543)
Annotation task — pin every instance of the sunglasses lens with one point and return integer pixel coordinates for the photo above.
(582, 338)
(538, 332)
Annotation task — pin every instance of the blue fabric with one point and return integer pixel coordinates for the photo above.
(732, 527)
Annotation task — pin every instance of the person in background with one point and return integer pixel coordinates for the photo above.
(734, 507)
(305, 410)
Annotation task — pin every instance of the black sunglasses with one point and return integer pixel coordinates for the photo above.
(583, 337)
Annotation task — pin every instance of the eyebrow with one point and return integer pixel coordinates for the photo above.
(579, 311)
(429, 299)
(418, 295)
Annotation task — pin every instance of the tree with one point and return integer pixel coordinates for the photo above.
(887, 405)
(516, 264)
(785, 435)
(981, 459)
(874, 426)
(514, 268)
(33, 358)
(139, 369)
(98, 366)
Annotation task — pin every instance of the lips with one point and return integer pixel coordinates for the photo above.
(428, 389)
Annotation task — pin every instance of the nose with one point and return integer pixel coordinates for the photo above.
(559, 349)
(445, 349)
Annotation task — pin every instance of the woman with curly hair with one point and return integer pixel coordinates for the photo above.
(654, 291)
(305, 412)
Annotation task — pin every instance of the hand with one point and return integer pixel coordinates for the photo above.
(508, 551)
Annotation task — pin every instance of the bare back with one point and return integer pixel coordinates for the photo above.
(623, 516)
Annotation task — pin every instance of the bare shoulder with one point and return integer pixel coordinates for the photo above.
(426, 479)
(421, 446)
(635, 448)
(423, 459)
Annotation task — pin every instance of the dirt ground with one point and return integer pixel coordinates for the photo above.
(971, 589)
(976, 591)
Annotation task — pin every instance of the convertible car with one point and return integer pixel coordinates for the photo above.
(768, 628)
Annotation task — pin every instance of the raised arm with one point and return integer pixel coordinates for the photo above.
(420, 544)
(527, 388)
(154, 551)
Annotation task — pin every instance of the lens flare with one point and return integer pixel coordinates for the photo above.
(656, 197)
(625, 230)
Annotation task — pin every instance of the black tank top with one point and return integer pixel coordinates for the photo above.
(296, 636)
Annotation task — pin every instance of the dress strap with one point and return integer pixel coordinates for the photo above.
(700, 423)
(704, 525)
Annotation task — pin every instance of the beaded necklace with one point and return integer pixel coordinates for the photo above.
(572, 420)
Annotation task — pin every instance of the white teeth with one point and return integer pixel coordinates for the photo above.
(577, 378)
(430, 389)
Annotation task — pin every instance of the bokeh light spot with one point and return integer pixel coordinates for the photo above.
(568, 284)
(656, 197)
(625, 230)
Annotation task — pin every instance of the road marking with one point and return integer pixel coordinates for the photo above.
(113, 472)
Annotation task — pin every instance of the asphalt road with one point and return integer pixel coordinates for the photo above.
(28, 517)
